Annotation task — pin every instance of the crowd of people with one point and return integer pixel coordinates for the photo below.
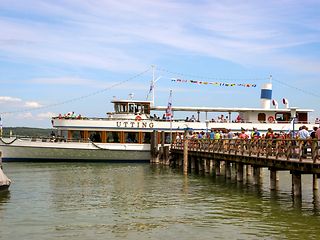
(70, 115)
(303, 134)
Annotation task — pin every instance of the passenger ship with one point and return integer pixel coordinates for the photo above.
(124, 135)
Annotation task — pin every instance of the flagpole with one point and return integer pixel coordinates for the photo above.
(169, 114)
(0, 126)
(171, 118)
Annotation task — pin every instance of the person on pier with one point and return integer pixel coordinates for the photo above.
(255, 134)
(243, 134)
(304, 135)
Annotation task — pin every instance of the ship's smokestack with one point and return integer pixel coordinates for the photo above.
(275, 104)
(266, 95)
(285, 102)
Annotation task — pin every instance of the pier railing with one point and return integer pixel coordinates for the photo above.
(278, 149)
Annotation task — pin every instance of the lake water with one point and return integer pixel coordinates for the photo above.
(139, 201)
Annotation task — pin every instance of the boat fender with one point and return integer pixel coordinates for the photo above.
(138, 118)
(270, 119)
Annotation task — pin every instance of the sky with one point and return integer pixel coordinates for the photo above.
(76, 55)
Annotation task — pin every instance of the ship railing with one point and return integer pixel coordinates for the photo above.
(178, 120)
(278, 149)
(45, 139)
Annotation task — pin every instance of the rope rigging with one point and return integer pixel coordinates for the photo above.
(201, 77)
(170, 74)
(77, 98)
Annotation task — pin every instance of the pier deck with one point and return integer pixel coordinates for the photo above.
(294, 155)
(297, 156)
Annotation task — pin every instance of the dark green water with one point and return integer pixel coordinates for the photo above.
(138, 201)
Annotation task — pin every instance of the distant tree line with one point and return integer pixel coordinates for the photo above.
(26, 131)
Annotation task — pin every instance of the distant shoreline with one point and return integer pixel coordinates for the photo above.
(27, 131)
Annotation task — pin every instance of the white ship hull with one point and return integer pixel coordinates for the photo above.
(123, 135)
(23, 150)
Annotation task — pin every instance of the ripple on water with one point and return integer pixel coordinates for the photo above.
(120, 201)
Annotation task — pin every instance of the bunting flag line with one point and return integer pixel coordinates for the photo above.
(221, 84)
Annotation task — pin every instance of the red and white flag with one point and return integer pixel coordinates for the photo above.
(169, 113)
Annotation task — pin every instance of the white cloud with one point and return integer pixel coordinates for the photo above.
(108, 32)
(45, 115)
(63, 81)
(36, 117)
(25, 115)
(32, 104)
(15, 103)
(7, 99)
(75, 42)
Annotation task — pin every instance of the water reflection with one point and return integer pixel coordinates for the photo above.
(4, 196)
(117, 201)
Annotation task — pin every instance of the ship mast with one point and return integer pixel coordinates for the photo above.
(153, 83)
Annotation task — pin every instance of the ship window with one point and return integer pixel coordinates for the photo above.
(146, 109)
(279, 117)
(146, 137)
(283, 117)
(113, 137)
(167, 138)
(131, 108)
(124, 108)
(302, 117)
(63, 134)
(139, 109)
(76, 135)
(131, 137)
(95, 136)
(261, 117)
(121, 108)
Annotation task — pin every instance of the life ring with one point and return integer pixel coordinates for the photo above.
(270, 119)
(138, 118)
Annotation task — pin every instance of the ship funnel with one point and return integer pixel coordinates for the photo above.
(285, 102)
(275, 104)
(266, 95)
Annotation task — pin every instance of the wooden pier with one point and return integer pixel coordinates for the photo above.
(204, 155)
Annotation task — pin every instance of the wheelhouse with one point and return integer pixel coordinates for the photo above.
(131, 106)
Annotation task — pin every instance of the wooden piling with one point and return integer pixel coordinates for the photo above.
(207, 166)
(315, 184)
(217, 168)
(227, 170)
(180, 164)
(203, 157)
(154, 148)
(256, 175)
(166, 155)
(193, 164)
(211, 165)
(185, 153)
(248, 170)
(200, 165)
(240, 172)
(273, 179)
(296, 181)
